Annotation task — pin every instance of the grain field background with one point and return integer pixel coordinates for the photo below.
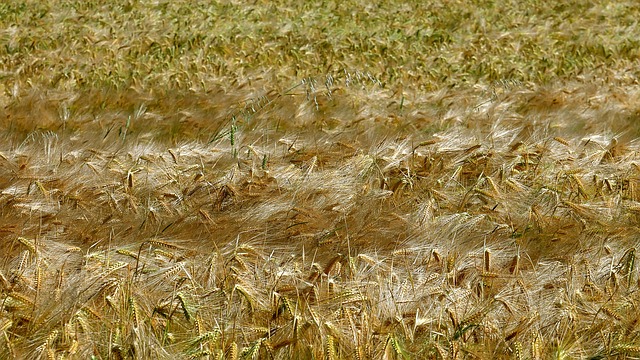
(319, 180)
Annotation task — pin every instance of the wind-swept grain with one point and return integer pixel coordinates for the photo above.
(330, 348)
(172, 272)
(128, 253)
(252, 351)
(184, 305)
(135, 312)
(248, 298)
(165, 244)
(29, 244)
(536, 346)
(611, 312)
(456, 218)
(517, 350)
(627, 348)
(562, 141)
(200, 354)
(22, 298)
(210, 337)
(233, 351)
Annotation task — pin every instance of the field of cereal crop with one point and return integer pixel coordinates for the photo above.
(319, 180)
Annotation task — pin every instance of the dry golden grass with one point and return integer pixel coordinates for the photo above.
(281, 209)
(352, 229)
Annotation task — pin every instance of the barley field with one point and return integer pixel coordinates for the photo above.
(319, 179)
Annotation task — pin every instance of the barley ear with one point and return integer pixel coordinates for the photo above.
(29, 244)
(627, 348)
(135, 313)
(517, 351)
(252, 351)
(233, 351)
(247, 297)
(536, 346)
(330, 348)
(184, 305)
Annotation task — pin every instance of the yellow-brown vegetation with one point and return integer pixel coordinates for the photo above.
(282, 181)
